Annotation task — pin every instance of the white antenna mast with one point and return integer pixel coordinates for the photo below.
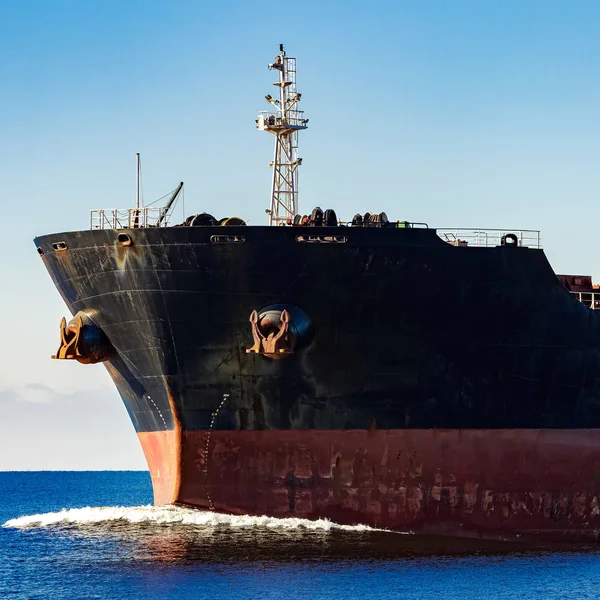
(137, 180)
(135, 214)
(284, 123)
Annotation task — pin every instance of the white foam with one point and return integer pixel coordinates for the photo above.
(167, 515)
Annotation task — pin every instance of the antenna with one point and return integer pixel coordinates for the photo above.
(137, 180)
(284, 122)
(135, 214)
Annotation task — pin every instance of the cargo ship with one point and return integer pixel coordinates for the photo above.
(371, 371)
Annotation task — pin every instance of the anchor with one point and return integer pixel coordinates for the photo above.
(272, 336)
(82, 340)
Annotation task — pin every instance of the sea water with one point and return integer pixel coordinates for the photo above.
(95, 535)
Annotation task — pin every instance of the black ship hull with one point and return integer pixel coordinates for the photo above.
(436, 387)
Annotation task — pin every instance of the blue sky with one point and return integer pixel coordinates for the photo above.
(466, 113)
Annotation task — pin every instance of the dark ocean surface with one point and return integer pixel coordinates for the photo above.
(95, 535)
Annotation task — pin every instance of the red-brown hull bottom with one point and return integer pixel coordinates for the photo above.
(488, 483)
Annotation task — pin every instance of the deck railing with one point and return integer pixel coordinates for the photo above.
(590, 299)
(127, 218)
(276, 119)
(489, 237)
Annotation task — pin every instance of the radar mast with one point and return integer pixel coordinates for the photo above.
(284, 121)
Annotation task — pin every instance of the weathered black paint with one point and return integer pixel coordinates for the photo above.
(408, 331)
